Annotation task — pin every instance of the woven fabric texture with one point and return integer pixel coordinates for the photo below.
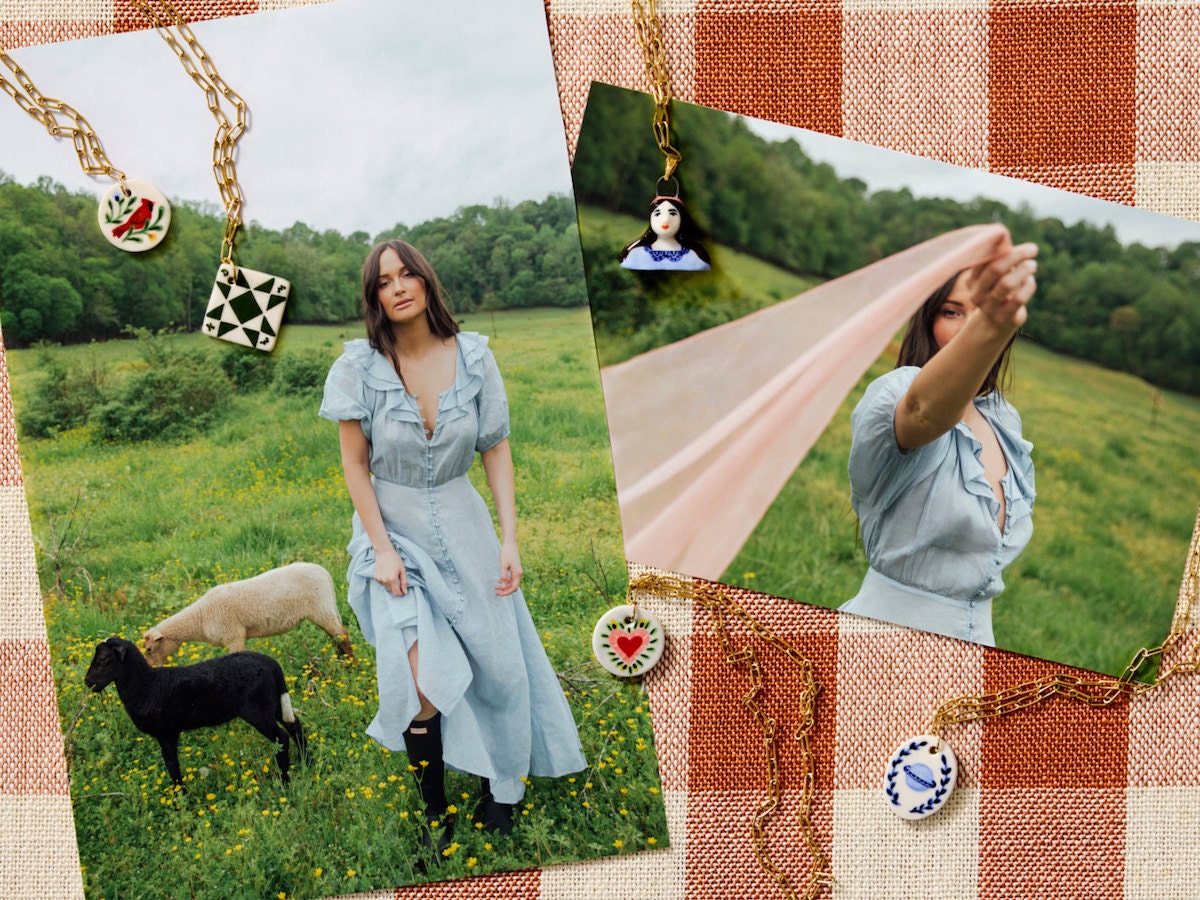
(1098, 97)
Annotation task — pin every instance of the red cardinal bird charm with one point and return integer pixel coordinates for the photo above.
(137, 219)
(134, 216)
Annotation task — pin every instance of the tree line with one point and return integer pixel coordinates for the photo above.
(61, 281)
(1132, 308)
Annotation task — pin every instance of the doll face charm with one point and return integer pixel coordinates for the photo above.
(670, 241)
(664, 221)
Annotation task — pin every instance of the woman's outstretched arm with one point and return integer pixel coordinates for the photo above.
(996, 293)
(356, 465)
(498, 466)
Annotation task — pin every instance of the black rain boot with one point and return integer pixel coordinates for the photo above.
(496, 817)
(423, 741)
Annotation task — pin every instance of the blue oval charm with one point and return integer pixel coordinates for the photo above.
(920, 776)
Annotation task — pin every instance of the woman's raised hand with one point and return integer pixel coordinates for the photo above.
(389, 571)
(1002, 286)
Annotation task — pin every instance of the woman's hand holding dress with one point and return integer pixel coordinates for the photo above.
(389, 571)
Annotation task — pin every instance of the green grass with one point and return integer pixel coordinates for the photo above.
(1118, 486)
(130, 534)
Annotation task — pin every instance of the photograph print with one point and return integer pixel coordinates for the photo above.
(320, 618)
(923, 394)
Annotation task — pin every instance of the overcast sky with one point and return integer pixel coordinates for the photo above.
(888, 169)
(364, 113)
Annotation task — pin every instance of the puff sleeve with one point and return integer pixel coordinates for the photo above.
(491, 405)
(345, 389)
(879, 470)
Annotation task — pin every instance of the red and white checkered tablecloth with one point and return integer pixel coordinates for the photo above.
(1059, 801)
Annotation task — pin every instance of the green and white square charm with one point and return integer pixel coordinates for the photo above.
(246, 307)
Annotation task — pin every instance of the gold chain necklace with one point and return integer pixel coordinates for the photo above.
(671, 241)
(245, 306)
(721, 605)
(209, 80)
(135, 216)
(650, 37)
(923, 789)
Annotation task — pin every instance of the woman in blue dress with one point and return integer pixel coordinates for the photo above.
(463, 678)
(941, 478)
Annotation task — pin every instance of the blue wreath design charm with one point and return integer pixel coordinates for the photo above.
(920, 775)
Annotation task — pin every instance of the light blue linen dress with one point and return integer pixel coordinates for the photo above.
(481, 662)
(928, 516)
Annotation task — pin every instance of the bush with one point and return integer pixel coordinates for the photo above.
(302, 372)
(64, 397)
(249, 370)
(175, 397)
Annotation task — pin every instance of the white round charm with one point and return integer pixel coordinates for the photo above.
(627, 641)
(921, 775)
(134, 215)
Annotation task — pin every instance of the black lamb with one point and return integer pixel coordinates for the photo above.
(165, 702)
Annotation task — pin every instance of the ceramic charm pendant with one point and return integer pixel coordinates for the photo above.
(134, 221)
(628, 641)
(921, 775)
(669, 243)
(246, 307)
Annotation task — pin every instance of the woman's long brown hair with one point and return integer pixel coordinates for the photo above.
(379, 327)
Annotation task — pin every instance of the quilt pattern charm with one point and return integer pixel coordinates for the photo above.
(246, 307)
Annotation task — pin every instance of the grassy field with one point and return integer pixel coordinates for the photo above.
(1118, 482)
(128, 534)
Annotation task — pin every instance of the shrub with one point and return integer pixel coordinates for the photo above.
(249, 370)
(175, 397)
(302, 372)
(64, 397)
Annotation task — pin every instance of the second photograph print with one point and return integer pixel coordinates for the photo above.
(923, 394)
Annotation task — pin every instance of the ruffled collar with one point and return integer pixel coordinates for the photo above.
(1017, 483)
(667, 255)
(379, 375)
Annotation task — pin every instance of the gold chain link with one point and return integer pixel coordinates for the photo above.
(720, 604)
(650, 36)
(209, 80)
(1094, 692)
(92, 158)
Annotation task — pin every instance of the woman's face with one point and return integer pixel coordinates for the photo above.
(400, 293)
(664, 219)
(953, 313)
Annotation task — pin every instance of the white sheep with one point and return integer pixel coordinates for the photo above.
(271, 603)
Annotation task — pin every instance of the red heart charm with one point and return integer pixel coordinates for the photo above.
(627, 645)
(627, 642)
